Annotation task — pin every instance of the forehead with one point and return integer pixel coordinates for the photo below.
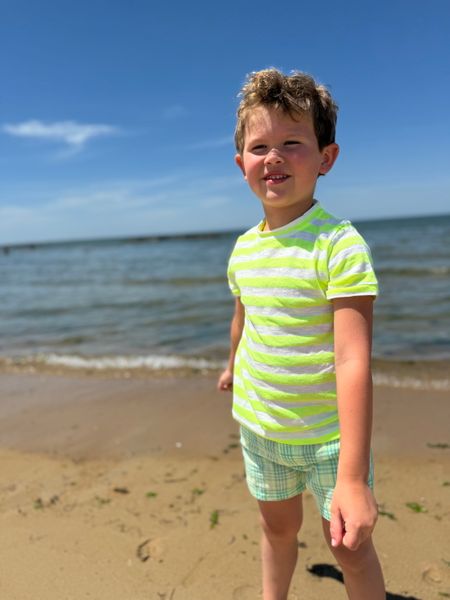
(264, 120)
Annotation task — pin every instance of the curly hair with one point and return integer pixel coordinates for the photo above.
(294, 94)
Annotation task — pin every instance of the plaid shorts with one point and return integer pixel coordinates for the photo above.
(277, 471)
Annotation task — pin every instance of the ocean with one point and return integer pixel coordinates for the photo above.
(162, 303)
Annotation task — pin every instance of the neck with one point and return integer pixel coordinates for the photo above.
(276, 218)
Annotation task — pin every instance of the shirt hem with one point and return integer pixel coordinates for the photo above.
(331, 437)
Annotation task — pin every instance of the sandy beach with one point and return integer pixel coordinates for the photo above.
(133, 489)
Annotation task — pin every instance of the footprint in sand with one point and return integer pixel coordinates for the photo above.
(431, 574)
(244, 592)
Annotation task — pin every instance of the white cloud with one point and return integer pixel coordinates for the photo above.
(121, 208)
(75, 135)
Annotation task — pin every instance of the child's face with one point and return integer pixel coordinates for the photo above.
(281, 160)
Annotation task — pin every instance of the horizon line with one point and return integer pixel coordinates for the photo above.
(158, 237)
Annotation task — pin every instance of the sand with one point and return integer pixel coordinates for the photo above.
(133, 489)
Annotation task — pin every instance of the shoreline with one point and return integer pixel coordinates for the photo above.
(117, 488)
(426, 375)
(115, 417)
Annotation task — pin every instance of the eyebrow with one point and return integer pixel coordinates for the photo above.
(287, 134)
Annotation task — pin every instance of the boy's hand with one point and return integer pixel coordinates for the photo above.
(353, 514)
(225, 383)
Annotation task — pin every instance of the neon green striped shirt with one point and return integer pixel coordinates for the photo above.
(284, 385)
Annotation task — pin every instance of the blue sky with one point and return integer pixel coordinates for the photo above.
(116, 118)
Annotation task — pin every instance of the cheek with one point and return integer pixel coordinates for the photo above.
(252, 169)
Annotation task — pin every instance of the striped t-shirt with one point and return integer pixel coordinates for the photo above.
(284, 384)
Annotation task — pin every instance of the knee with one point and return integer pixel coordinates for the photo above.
(279, 529)
(354, 561)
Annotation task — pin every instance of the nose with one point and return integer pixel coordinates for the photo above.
(273, 157)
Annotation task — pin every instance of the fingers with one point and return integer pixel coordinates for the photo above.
(354, 536)
(336, 528)
(352, 539)
(350, 536)
(225, 383)
(224, 386)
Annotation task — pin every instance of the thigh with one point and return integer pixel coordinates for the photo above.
(268, 479)
(321, 479)
(322, 475)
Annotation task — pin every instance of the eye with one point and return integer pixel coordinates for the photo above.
(291, 142)
(258, 147)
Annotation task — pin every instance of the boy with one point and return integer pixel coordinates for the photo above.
(300, 352)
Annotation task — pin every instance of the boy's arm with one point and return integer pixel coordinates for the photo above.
(225, 382)
(353, 509)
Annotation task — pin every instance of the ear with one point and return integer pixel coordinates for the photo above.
(240, 163)
(329, 156)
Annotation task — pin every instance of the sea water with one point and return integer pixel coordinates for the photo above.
(163, 302)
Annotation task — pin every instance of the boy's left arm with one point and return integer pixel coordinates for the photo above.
(353, 508)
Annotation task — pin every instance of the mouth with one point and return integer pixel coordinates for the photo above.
(275, 177)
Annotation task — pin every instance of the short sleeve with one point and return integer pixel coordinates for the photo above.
(231, 274)
(350, 266)
(232, 280)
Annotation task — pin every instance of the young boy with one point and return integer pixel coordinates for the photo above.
(300, 352)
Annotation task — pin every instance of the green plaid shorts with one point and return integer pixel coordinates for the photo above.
(277, 471)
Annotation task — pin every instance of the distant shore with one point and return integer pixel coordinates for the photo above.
(118, 488)
(194, 235)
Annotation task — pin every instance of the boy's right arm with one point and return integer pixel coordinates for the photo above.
(225, 382)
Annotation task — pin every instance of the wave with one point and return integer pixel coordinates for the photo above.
(151, 362)
(432, 375)
(418, 374)
(175, 281)
(409, 382)
(438, 271)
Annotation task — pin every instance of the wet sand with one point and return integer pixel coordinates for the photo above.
(134, 489)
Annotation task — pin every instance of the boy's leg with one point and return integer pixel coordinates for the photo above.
(363, 577)
(281, 521)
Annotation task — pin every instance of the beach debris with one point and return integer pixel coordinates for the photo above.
(163, 595)
(151, 494)
(302, 545)
(231, 446)
(39, 503)
(198, 491)
(102, 501)
(446, 483)
(386, 513)
(444, 594)
(175, 480)
(438, 445)
(416, 507)
(178, 445)
(214, 519)
(121, 490)
(143, 551)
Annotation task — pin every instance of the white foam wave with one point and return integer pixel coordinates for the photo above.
(154, 362)
(411, 382)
